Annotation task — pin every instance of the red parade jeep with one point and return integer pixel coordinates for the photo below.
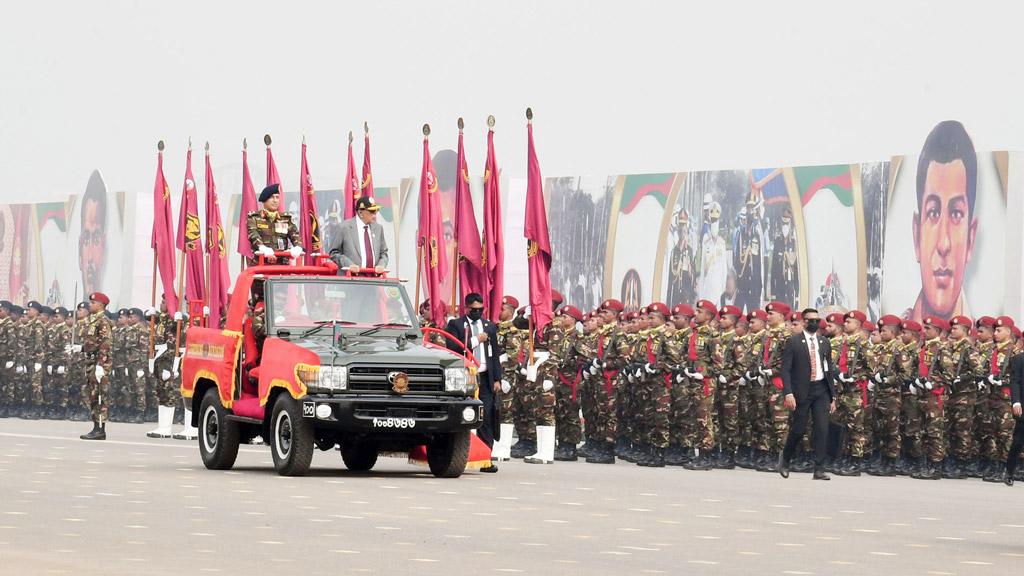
(342, 364)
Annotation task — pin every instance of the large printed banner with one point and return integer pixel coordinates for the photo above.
(934, 232)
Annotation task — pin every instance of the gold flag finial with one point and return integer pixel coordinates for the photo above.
(529, 114)
(490, 121)
(207, 146)
(266, 139)
(426, 130)
(190, 143)
(303, 139)
(366, 127)
(160, 146)
(461, 124)
(349, 137)
(245, 144)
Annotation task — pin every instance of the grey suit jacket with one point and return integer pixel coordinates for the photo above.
(347, 247)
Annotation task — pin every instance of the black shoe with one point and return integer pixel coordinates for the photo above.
(902, 467)
(701, 462)
(621, 446)
(726, 461)
(1007, 477)
(820, 474)
(524, 448)
(674, 455)
(887, 467)
(852, 467)
(743, 457)
(1018, 474)
(802, 464)
(687, 454)
(771, 464)
(490, 469)
(655, 458)
(974, 468)
(98, 432)
(584, 451)
(994, 474)
(633, 452)
(566, 452)
(783, 466)
(930, 472)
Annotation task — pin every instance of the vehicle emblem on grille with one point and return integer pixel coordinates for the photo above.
(399, 382)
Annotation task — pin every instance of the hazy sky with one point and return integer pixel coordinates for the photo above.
(617, 87)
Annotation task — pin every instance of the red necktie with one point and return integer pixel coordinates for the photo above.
(367, 246)
(692, 349)
(842, 358)
(922, 366)
(767, 349)
(994, 369)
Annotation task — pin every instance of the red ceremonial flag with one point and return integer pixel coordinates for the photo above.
(467, 235)
(272, 175)
(215, 248)
(309, 224)
(189, 236)
(430, 237)
(493, 257)
(535, 229)
(163, 234)
(249, 204)
(366, 186)
(351, 183)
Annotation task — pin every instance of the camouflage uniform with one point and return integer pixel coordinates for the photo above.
(911, 414)
(753, 397)
(626, 388)
(34, 359)
(777, 413)
(566, 377)
(703, 341)
(984, 357)
(163, 378)
(998, 423)
(137, 344)
(119, 360)
(271, 229)
(851, 405)
(539, 404)
(58, 357)
(887, 361)
(7, 331)
(96, 346)
(682, 432)
(599, 410)
(654, 390)
(76, 386)
(933, 410)
(512, 346)
(961, 359)
(728, 356)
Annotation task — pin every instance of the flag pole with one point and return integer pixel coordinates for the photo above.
(181, 286)
(245, 148)
(152, 295)
(455, 252)
(209, 262)
(529, 120)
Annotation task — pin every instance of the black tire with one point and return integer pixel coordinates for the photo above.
(291, 438)
(447, 456)
(218, 436)
(359, 458)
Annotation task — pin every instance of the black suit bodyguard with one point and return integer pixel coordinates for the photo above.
(480, 336)
(809, 391)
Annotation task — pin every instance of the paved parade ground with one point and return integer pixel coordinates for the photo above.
(131, 505)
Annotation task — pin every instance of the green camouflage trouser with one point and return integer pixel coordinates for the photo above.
(960, 423)
(95, 393)
(520, 407)
(599, 411)
(626, 404)
(34, 391)
(934, 426)
(7, 387)
(753, 402)
(850, 415)
(705, 392)
(778, 416)
(912, 418)
(167, 391)
(728, 415)
(539, 404)
(998, 426)
(567, 408)
(887, 407)
(682, 430)
(655, 402)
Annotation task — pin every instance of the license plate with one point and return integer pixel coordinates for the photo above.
(397, 423)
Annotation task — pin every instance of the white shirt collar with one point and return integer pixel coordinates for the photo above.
(810, 336)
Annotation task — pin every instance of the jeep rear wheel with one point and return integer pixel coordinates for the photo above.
(359, 458)
(448, 454)
(291, 438)
(218, 436)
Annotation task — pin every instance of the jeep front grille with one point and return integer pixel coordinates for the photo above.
(369, 378)
(425, 412)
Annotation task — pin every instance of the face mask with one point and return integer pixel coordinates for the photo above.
(812, 325)
(475, 314)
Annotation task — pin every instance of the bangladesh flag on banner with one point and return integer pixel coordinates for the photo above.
(836, 179)
(56, 211)
(640, 186)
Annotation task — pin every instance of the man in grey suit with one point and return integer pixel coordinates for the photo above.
(360, 242)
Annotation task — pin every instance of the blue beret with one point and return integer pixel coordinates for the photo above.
(269, 191)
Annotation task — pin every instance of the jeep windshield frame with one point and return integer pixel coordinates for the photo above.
(298, 303)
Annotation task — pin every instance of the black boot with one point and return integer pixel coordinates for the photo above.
(852, 467)
(602, 453)
(760, 460)
(566, 452)
(930, 472)
(973, 468)
(727, 461)
(996, 473)
(524, 448)
(743, 457)
(1018, 473)
(802, 463)
(687, 454)
(674, 455)
(1008, 477)
(640, 455)
(655, 457)
(634, 452)
(584, 451)
(98, 432)
(621, 446)
(702, 462)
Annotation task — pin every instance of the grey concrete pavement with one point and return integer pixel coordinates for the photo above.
(132, 505)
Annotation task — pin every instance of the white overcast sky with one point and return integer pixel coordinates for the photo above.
(617, 87)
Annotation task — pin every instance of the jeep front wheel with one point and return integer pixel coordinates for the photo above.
(447, 455)
(291, 438)
(359, 458)
(218, 436)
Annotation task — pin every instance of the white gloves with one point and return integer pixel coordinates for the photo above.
(9, 365)
(722, 379)
(206, 310)
(638, 372)
(766, 372)
(150, 312)
(67, 348)
(743, 381)
(159, 349)
(140, 373)
(60, 370)
(923, 383)
(680, 379)
(19, 370)
(592, 370)
(844, 378)
(871, 385)
(265, 250)
(630, 378)
(523, 371)
(125, 371)
(982, 385)
(100, 373)
(37, 367)
(694, 375)
(879, 378)
(994, 380)
(649, 368)
(503, 358)
(177, 362)
(77, 348)
(505, 387)
(165, 375)
(914, 390)
(547, 385)
(178, 316)
(49, 370)
(295, 251)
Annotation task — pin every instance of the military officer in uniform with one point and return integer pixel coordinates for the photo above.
(269, 230)
(96, 346)
(785, 268)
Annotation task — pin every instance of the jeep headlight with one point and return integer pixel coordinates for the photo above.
(456, 380)
(333, 378)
